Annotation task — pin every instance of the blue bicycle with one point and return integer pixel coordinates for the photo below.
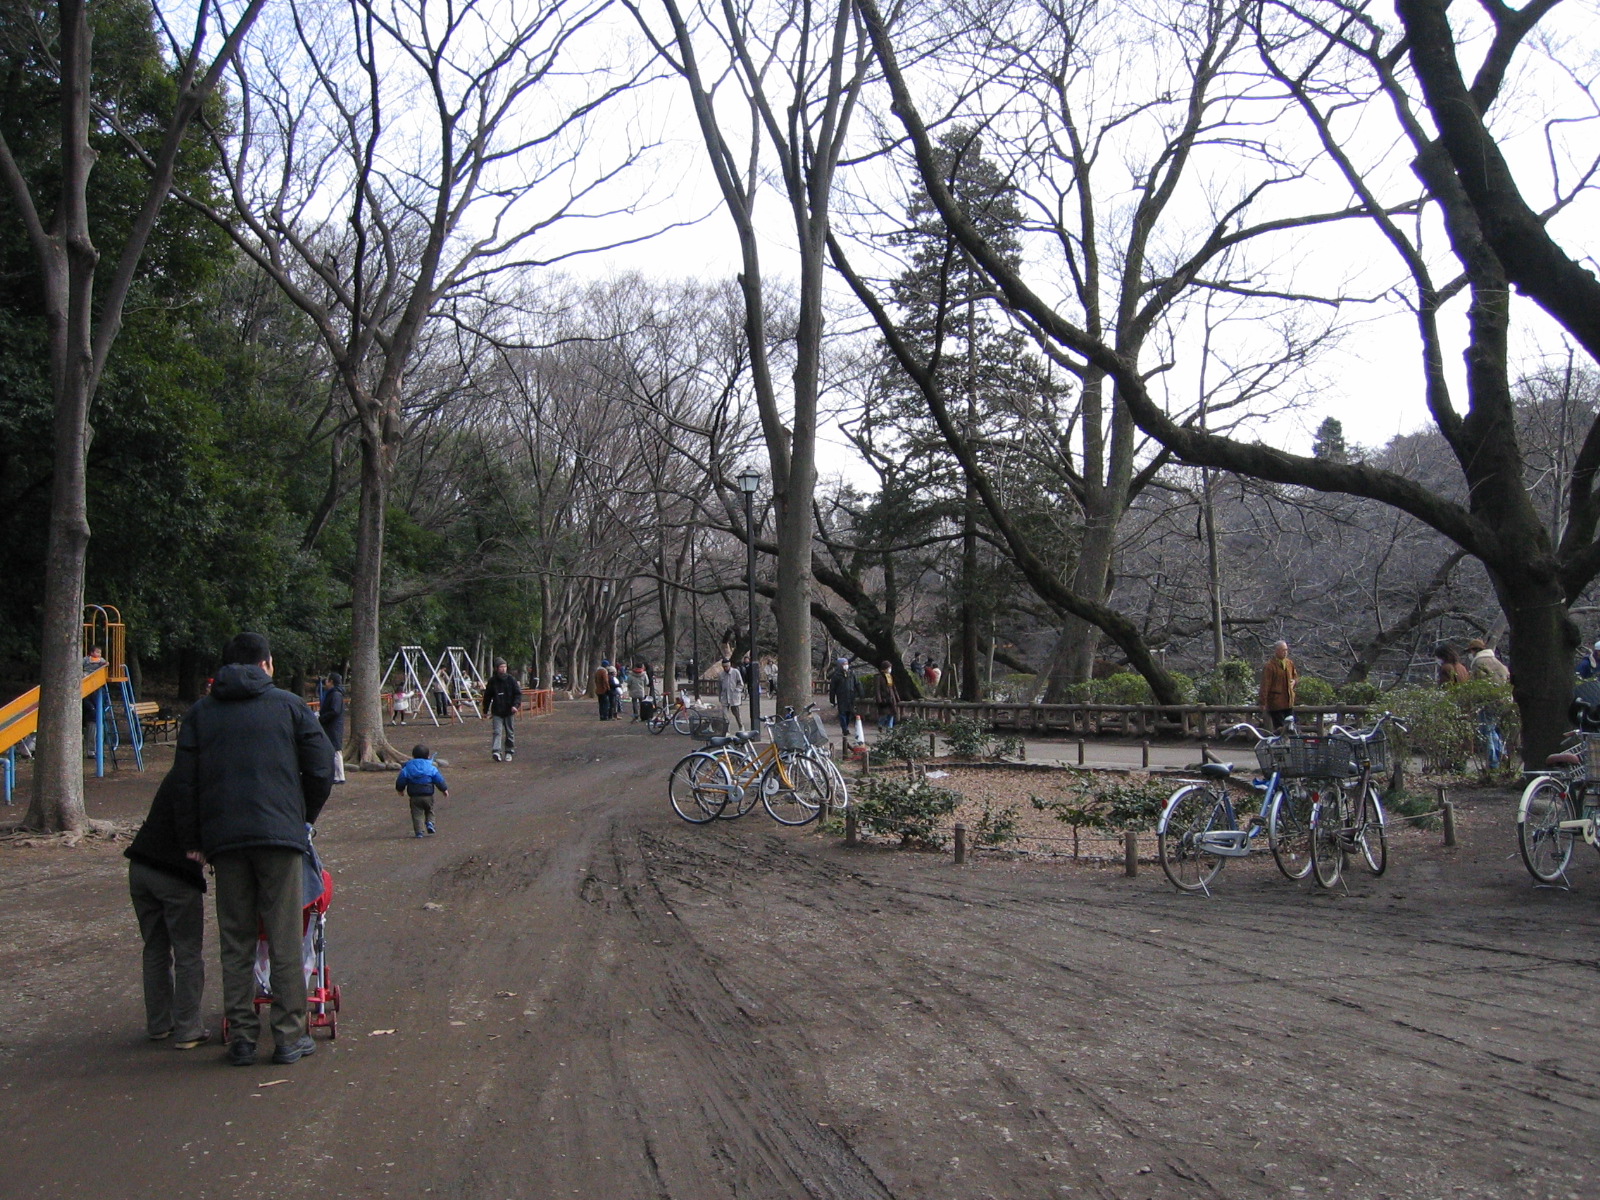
(1199, 829)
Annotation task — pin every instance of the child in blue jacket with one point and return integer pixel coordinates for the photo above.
(419, 779)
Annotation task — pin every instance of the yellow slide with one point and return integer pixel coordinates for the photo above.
(21, 717)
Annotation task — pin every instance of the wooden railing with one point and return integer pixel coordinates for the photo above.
(1195, 721)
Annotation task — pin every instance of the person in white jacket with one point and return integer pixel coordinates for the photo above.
(731, 690)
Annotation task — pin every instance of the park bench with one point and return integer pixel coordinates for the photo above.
(153, 722)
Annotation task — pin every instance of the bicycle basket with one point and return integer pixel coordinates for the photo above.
(1272, 756)
(704, 725)
(789, 734)
(816, 731)
(1319, 758)
(1373, 754)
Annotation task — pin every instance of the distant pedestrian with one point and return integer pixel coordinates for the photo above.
(932, 674)
(1451, 668)
(1278, 681)
(602, 688)
(253, 770)
(638, 689)
(843, 691)
(418, 780)
(1482, 664)
(1589, 665)
(502, 699)
(168, 891)
(731, 691)
(400, 705)
(330, 714)
(887, 696)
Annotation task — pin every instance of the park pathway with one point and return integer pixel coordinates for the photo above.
(568, 992)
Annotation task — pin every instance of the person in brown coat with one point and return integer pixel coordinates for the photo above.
(1278, 679)
(887, 696)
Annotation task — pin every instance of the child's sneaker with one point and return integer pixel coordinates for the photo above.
(420, 835)
(496, 756)
(430, 826)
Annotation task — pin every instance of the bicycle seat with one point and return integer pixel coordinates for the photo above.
(1566, 758)
(717, 743)
(1216, 770)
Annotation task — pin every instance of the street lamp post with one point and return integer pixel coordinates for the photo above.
(749, 481)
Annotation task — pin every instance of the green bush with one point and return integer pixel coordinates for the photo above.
(966, 737)
(1125, 687)
(1359, 693)
(907, 742)
(1445, 723)
(1013, 689)
(910, 809)
(1107, 803)
(995, 827)
(1232, 681)
(1315, 692)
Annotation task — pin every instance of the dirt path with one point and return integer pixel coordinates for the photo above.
(612, 1004)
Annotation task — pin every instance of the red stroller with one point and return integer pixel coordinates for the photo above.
(322, 994)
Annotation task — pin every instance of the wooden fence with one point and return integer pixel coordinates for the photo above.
(1194, 721)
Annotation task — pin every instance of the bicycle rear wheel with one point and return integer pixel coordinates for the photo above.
(793, 792)
(1289, 830)
(1193, 811)
(736, 761)
(1372, 832)
(1546, 847)
(658, 722)
(699, 788)
(680, 722)
(1327, 835)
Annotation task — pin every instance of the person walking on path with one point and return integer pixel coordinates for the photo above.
(1278, 680)
(251, 773)
(168, 890)
(602, 688)
(502, 699)
(1482, 664)
(1589, 665)
(330, 714)
(731, 691)
(1451, 668)
(887, 696)
(843, 691)
(638, 689)
(418, 780)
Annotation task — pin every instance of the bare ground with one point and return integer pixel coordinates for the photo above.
(611, 1003)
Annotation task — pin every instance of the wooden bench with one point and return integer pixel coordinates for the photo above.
(153, 723)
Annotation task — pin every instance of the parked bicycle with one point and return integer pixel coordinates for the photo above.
(1199, 830)
(726, 776)
(682, 717)
(1348, 821)
(1559, 806)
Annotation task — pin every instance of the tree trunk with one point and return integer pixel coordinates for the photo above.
(369, 743)
(1544, 642)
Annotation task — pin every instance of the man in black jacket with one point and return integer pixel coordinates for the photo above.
(168, 891)
(253, 769)
(503, 699)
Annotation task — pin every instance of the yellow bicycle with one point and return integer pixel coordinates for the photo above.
(726, 776)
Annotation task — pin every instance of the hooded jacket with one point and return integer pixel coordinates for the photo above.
(156, 843)
(253, 767)
(501, 695)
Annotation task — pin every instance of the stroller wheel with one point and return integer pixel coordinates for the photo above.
(336, 997)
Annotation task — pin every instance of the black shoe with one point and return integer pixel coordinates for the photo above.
(241, 1053)
(304, 1048)
(496, 756)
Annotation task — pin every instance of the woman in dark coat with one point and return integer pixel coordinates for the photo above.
(331, 714)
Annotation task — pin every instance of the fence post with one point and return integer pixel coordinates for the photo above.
(1080, 752)
(1144, 754)
(1205, 752)
(850, 826)
(1449, 818)
(961, 843)
(933, 749)
(1130, 853)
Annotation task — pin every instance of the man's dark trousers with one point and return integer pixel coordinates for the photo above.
(265, 883)
(172, 921)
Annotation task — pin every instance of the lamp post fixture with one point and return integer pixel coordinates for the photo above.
(749, 481)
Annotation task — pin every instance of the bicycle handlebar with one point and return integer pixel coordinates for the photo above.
(1260, 737)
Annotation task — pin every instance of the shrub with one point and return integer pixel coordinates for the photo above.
(1077, 816)
(1313, 691)
(1447, 724)
(910, 809)
(907, 742)
(1013, 689)
(1232, 681)
(995, 827)
(1100, 803)
(1125, 687)
(967, 738)
(1361, 692)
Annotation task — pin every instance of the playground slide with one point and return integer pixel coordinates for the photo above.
(21, 717)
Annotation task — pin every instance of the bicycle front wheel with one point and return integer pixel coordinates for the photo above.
(737, 762)
(680, 722)
(1289, 830)
(1546, 847)
(793, 792)
(699, 787)
(1372, 832)
(1327, 836)
(1192, 812)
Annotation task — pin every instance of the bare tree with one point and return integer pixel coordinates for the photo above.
(795, 68)
(83, 327)
(388, 158)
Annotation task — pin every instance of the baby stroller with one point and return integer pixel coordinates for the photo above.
(322, 994)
